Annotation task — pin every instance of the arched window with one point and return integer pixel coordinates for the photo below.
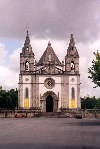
(73, 93)
(27, 50)
(72, 66)
(27, 66)
(26, 93)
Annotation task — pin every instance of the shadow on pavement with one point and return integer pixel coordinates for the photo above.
(43, 146)
(85, 123)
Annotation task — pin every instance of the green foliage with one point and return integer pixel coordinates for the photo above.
(94, 70)
(90, 103)
(98, 103)
(8, 99)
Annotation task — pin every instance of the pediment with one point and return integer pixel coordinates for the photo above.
(49, 70)
(49, 56)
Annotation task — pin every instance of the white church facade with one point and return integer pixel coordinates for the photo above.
(49, 84)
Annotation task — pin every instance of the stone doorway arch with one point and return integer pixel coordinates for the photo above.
(49, 102)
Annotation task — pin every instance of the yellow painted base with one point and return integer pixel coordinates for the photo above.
(73, 103)
(26, 103)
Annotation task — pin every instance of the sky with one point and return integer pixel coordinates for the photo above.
(46, 20)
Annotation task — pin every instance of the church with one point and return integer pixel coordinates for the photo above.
(49, 84)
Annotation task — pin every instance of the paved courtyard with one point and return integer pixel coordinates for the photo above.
(49, 133)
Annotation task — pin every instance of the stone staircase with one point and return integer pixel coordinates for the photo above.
(55, 115)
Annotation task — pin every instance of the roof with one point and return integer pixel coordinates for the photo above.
(49, 57)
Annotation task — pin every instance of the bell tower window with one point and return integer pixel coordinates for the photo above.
(72, 66)
(27, 66)
(27, 50)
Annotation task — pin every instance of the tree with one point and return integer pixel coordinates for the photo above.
(88, 102)
(8, 99)
(13, 98)
(94, 70)
(98, 103)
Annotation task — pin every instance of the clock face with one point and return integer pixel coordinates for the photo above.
(72, 79)
(49, 83)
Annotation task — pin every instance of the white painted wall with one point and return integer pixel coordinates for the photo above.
(56, 89)
(72, 84)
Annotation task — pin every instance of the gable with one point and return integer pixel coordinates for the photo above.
(49, 69)
(49, 56)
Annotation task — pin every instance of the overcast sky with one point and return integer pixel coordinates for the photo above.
(52, 20)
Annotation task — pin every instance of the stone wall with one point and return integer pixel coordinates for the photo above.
(64, 113)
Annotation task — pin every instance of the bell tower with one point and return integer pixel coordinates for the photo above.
(72, 72)
(27, 68)
(27, 60)
(72, 58)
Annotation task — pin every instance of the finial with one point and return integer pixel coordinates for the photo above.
(27, 30)
(72, 43)
(49, 44)
(72, 37)
(27, 33)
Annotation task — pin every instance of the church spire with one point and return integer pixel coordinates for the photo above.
(27, 40)
(72, 42)
(72, 58)
(72, 49)
(27, 57)
(27, 49)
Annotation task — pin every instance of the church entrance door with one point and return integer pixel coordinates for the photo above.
(49, 103)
